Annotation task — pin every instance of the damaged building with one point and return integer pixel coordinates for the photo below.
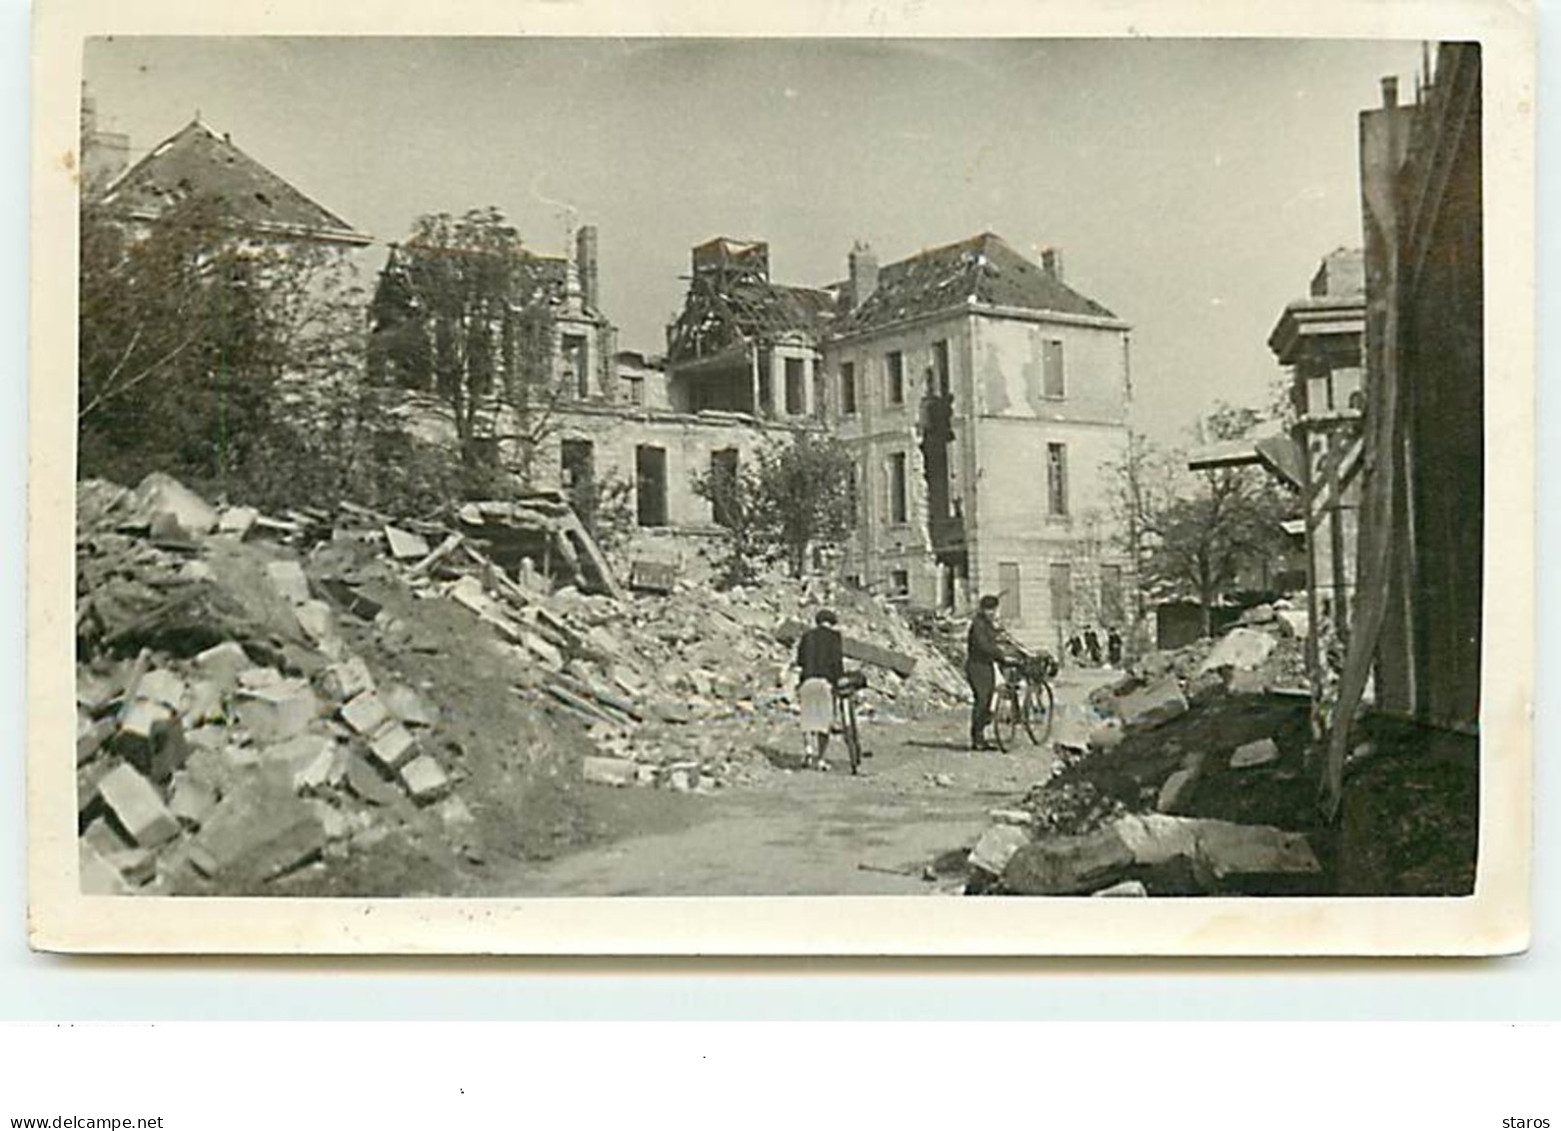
(608, 419)
(988, 399)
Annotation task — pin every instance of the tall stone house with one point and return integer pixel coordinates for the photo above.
(988, 400)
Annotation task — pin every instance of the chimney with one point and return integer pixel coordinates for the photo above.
(585, 260)
(1051, 262)
(863, 263)
(1389, 92)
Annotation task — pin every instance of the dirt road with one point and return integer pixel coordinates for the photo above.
(920, 795)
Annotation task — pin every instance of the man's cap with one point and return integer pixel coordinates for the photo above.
(989, 602)
(824, 616)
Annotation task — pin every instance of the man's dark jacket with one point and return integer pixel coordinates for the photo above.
(981, 645)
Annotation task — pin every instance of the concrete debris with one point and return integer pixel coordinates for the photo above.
(1229, 853)
(256, 835)
(1240, 650)
(409, 707)
(1259, 753)
(137, 806)
(425, 779)
(997, 846)
(1153, 705)
(609, 771)
(277, 711)
(1128, 888)
(404, 545)
(96, 876)
(1073, 865)
(1176, 792)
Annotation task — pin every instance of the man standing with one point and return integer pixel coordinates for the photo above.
(983, 649)
(821, 656)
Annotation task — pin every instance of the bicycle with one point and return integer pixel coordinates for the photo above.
(846, 689)
(1024, 697)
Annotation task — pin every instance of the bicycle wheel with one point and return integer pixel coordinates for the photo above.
(1039, 706)
(1005, 717)
(853, 739)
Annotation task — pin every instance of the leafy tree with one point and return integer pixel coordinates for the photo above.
(786, 500)
(198, 347)
(1189, 532)
(463, 311)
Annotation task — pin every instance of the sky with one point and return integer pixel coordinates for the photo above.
(1192, 186)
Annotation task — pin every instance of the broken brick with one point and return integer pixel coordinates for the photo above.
(365, 713)
(391, 744)
(288, 579)
(348, 679)
(192, 799)
(138, 807)
(277, 712)
(425, 778)
(405, 545)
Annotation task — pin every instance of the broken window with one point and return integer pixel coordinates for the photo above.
(650, 485)
(940, 368)
(576, 365)
(1111, 609)
(1062, 594)
(1053, 384)
(636, 390)
(1057, 479)
(899, 582)
(795, 405)
(899, 507)
(847, 388)
(766, 405)
(894, 366)
(723, 486)
(1010, 604)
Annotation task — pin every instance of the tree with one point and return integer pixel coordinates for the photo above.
(1191, 532)
(786, 501)
(464, 312)
(194, 342)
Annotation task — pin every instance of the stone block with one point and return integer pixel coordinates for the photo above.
(608, 771)
(192, 800)
(365, 713)
(237, 521)
(138, 807)
(256, 677)
(1294, 623)
(997, 846)
(404, 545)
(1153, 705)
(161, 686)
(162, 499)
(468, 591)
(348, 679)
(104, 839)
(288, 580)
(411, 708)
(94, 693)
(327, 766)
(203, 703)
(424, 778)
(1176, 792)
(1240, 650)
(319, 625)
(1259, 753)
(1228, 852)
(91, 740)
(1071, 865)
(1128, 888)
(392, 744)
(368, 783)
(96, 876)
(224, 663)
(277, 712)
(257, 833)
(1155, 839)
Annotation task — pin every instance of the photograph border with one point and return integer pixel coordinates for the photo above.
(1494, 920)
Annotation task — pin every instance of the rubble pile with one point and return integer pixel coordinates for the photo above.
(228, 734)
(1118, 774)
(225, 732)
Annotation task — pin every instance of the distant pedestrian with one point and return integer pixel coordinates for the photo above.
(1076, 647)
(821, 656)
(1114, 646)
(1092, 642)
